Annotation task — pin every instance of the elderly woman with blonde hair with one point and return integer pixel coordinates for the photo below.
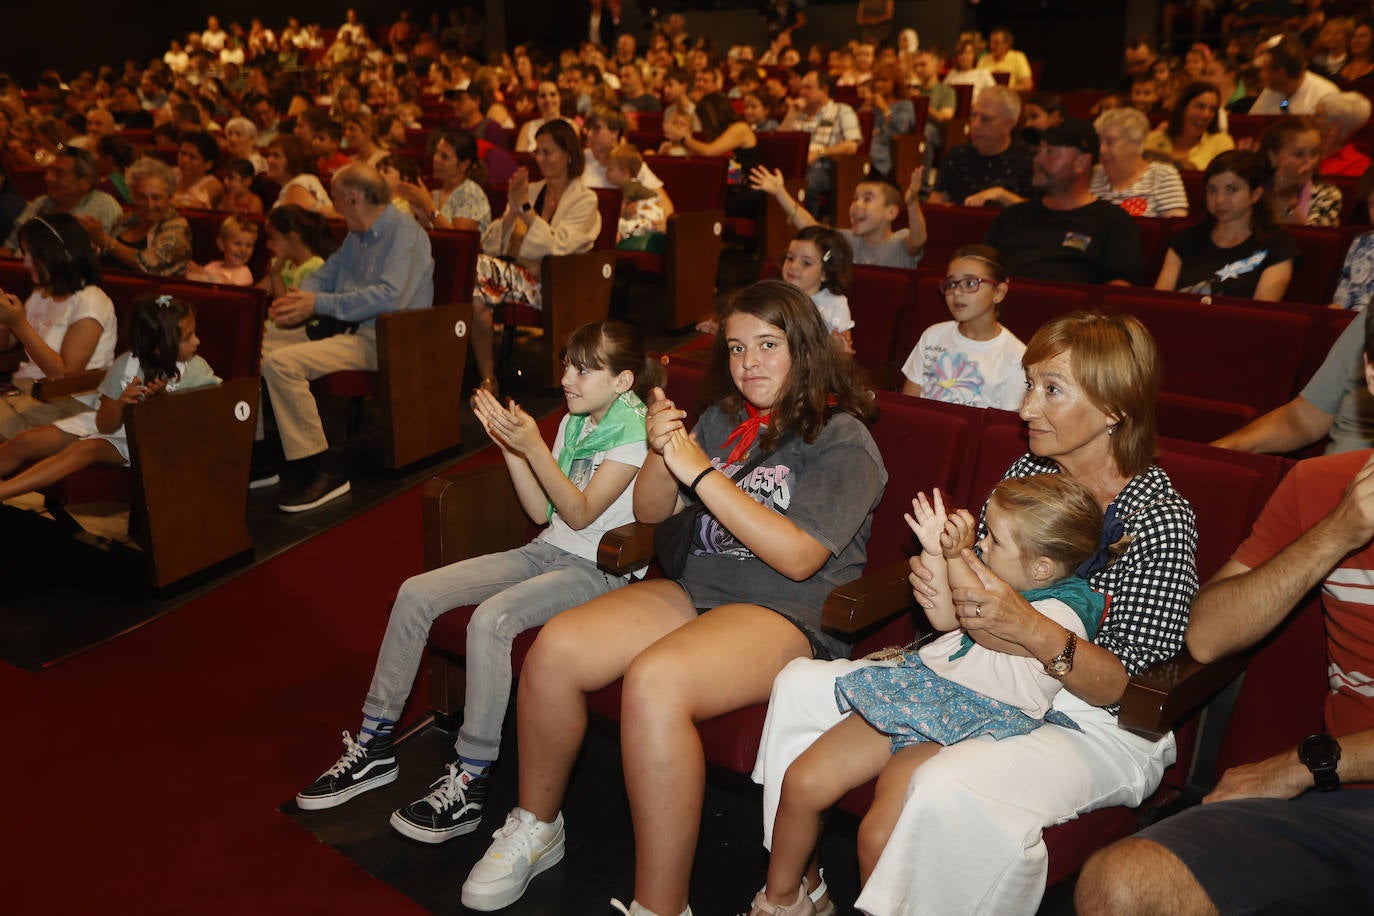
(1338, 117)
(1123, 175)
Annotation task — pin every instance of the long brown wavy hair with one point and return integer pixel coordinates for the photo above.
(821, 380)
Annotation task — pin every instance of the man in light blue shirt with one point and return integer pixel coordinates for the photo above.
(329, 325)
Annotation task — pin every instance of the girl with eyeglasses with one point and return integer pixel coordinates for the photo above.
(972, 359)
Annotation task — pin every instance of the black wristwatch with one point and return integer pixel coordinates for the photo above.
(1320, 753)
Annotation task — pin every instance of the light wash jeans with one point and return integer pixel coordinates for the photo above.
(513, 591)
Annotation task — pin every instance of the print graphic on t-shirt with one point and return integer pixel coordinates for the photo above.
(581, 471)
(766, 485)
(954, 378)
(1232, 271)
(1077, 241)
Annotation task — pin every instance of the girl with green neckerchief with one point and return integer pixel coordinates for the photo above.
(581, 488)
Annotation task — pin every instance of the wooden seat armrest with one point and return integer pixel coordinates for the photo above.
(623, 550)
(1158, 697)
(875, 597)
(850, 169)
(421, 354)
(53, 389)
(693, 258)
(469, 512)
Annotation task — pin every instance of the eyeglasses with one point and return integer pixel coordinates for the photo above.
(964, 284)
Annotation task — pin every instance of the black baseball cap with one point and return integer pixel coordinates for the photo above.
(1071, 132)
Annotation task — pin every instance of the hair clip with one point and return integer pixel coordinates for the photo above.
(164, 301)
(826, 257)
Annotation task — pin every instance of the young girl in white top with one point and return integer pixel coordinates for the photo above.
(581, 488)
(820, 263)
(1042, 534)
(162, 357)
(67, 325)
(972, 359)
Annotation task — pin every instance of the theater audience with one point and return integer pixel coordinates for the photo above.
(154, 238)
(1193, 135)
(291, 165)
(328, 324)
(197, 187)
(993, 168)
(1289, 86)
(1293, 148)
(70, 184)
(1236, 248)
(1067, 233)
(67, 325)
(1337, 119)
(1124, 177)
(555, 215)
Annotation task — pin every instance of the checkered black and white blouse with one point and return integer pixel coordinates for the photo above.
(1150, 587)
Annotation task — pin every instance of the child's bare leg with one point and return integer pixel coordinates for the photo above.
(848, 755)
(30, 445)
(79, 454)
(889, 796)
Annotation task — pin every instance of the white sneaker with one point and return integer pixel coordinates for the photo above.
(523, 847)
(638, 909)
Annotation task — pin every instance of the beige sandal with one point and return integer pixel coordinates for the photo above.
(802, 906)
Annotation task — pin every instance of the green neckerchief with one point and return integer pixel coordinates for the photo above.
(1074, 592)
(623, 424)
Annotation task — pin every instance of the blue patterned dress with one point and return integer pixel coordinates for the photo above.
(911, 703)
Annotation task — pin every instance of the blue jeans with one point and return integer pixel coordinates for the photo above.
(514, 591)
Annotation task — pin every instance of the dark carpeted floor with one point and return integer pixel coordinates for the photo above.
(600, 853)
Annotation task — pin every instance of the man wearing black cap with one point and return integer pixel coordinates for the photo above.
(1067, 234)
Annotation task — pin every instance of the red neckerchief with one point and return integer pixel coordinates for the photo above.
(745, 434)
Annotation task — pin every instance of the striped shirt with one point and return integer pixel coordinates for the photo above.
(1159, 189)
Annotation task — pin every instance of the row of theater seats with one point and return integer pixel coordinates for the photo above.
(1315, 274)
(190, 451)
(963, 451)
(1271, 351)
(188, 482)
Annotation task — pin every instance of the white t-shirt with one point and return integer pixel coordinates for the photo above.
(834, 309)
(594, 175)
(621, 512)
(978, 79)
(977, 373)
(1012, 679)
(51, 320)
(1303, 102)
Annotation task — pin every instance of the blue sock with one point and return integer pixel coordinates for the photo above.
(474, 767)
(374, 728)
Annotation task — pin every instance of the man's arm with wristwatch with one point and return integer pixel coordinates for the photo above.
(1319, 761)
(1242, 605)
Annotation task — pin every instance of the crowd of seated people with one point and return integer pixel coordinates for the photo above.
(401, 130)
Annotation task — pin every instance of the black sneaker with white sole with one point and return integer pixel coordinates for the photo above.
(452, 808)
(320, 488)
(361, 768)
